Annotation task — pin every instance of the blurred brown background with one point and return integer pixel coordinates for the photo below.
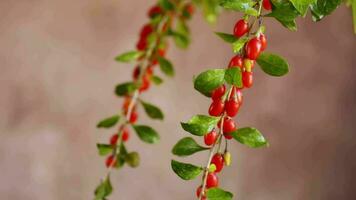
(57, 79)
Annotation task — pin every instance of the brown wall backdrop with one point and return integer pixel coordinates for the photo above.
(57, 78)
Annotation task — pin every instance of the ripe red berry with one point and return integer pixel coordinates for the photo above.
(113, 139)
(228, 136)
(189, 8)
(218, 93)
(133, 117)
(218, 161)
(232, 107)
(267, 4)
(125, 135)
(210, 138)
(212, 180)
(136, 73)
(110, 161)
(145, 84)
(142, 44)
(155, 10)
(241, 27)
(247, 79)
(229, 125)
(146, 31)
(199, 190)
(263, 41)
(216, 108)
(236, 61)
(253, 48)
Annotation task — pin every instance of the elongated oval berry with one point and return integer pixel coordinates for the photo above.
(253, 48)
(263, 41)
(210, 138)
(212, 180)
(155, 10)
(146, 31)
(228, 136)
(227, 158)
(218, 93)
(125, 135)
(229, 125)
(199, 190)
(145, 84)
(241, 28)
(110, 161)
(236, 61)
(267, 4)
(133, 117)
(136, 73)
(218, 161)
(113, 139)
(142, 44)
(216, 108)
(232, 107)
(247, 79)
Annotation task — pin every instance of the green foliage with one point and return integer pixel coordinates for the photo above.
(186, 147)
(250, 137)
(239, 44)
(245, 6)
(322, 8)
(121, 156)
(129, 56)
(200, 124)
(152, 111)
(104, 149)
(218, 194)
(108, 122)
(210, 9)
(233, 76)
(166, 66)
(156, 80)
(186, 171)
(209, 80)
(229, 38)
(146, 133)
(166, 5)
(272, 64)
(285, 13)
(126, 88)
(103, 190)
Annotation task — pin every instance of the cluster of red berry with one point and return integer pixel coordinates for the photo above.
(225, 104)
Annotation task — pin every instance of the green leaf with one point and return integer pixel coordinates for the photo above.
(218, 194)
(125, 88)
(211, 9)
(129, 56)
(233, 76)
(237, 45)
(156, 80)
(104, 149)
(187, 146)
(146, 134)
(120, 158)
(209, 80)
(103, 190)
(166, 5)
(272, 64)
(226, 37)
(186, 171)
(302, 5)
(108, 122)
(250, 137)
(133, 159)
(152, 111)
(166, 66)
(245, 6)
(284, 12)
(200, 124)
(322, 8)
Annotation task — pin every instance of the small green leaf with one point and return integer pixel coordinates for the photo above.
(181, 38)
(272, 64)
(146, 134)
(108, 122)
(103, 190)
(233, 76)
(210, 9)
(209, 80)
(250, 137)
(285, 13)
(133, 159)
(120, 158)
(302, 5)
(125, 88)
(156, 80)
(104, 149)
(237, 45)
(187, 146)
(322, 8)
(186, 171)
(129, 56)
(166, 5)
(226, 37)
(200, 124)
(166, 66)
(152, 111)
(245, 6)
(218, 194)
